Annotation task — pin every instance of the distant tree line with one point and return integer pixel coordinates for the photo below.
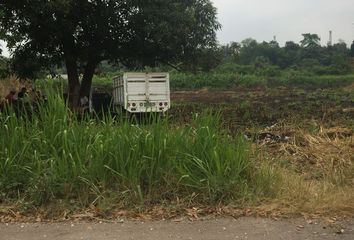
(248, 57)
(269, 58)
(308, 55)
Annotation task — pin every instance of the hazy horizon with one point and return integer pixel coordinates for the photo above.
(285, 19)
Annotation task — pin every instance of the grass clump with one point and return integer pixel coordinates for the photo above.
(52, 156)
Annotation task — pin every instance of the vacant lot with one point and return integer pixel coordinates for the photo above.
(307, 135)
(266, 151)
(265, 107)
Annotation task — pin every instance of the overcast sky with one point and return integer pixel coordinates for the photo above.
(285, 19)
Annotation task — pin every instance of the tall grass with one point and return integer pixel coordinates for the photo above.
(52, 155)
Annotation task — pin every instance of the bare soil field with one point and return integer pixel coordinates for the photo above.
(265, 107)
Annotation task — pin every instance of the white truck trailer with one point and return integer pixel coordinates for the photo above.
(142, 92)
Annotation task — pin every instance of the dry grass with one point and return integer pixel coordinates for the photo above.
(349, 88)
(10, 83)
(328, 153)
(317, 172)
(309, 198)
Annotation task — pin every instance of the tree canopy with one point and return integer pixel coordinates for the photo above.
(309, 55)
(82, 33)
(352, 50)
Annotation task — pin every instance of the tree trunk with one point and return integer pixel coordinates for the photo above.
(73, 81)
(86, 82)
(77, 91)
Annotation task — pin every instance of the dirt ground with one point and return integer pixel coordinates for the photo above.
(248, 108)
(227, 228)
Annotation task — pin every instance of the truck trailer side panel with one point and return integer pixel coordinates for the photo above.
(142, 92)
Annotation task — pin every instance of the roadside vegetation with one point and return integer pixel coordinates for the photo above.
(53, 160)
(49, 155)
(253, 126)
(198, 156)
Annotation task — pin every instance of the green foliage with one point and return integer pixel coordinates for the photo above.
(352, 50)
(52, 155)
(262, 67)
(3, 67)
(309, 56)
(83, 33)
(260, 74)
(200, 80)
(231, 51)
(27, 64)
(310, 41)
(203, 60)
(268, 59)
(265, 77)
(313, 81)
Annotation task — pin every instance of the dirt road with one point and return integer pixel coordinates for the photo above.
(244, 228)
